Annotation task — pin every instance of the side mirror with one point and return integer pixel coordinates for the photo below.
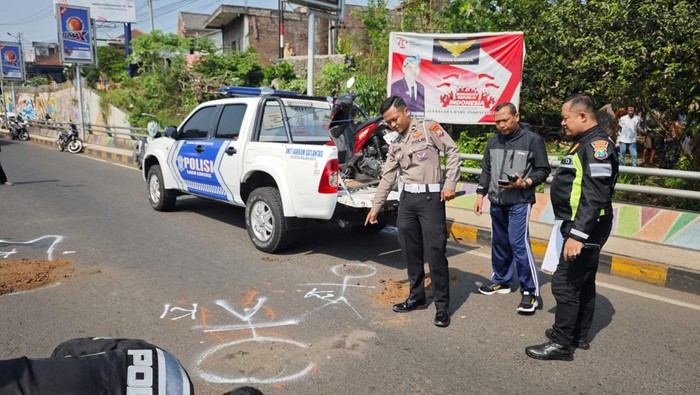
(171, 132)
(350, 83)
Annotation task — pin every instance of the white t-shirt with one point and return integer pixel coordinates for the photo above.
(629, 127)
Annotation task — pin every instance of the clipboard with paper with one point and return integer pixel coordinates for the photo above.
(554, 247)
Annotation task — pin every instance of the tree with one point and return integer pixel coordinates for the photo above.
(111, 63)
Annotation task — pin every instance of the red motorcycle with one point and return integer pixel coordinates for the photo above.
(362, 146)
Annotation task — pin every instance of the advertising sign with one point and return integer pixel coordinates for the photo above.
(456, 78)
(11, 62)
(75, 34)
(320, 5)
(106, 10)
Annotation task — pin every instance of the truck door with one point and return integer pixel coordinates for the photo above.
(195, 158)
(232, 120)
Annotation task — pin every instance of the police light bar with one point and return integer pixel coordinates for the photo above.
(250, 91)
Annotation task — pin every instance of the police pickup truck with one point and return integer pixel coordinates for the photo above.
(268, 152)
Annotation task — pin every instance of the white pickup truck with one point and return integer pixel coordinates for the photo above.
(269, 153)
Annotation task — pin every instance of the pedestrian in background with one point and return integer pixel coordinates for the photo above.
(414, 155)
(3, 176)
(581, 194)
(629, 126)
(515, 162)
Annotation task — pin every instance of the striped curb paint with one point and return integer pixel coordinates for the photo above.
(94, 152)
(616, 265)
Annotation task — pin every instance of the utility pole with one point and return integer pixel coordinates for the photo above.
(150, 13)
(281, 20)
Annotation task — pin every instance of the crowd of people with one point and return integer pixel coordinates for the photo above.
(636, 133)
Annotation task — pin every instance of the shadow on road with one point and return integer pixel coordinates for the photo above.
(324, 238)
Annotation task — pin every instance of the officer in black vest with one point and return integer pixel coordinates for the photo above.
(581, 195)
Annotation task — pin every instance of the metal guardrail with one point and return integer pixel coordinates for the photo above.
(123, 132)
(680, 193)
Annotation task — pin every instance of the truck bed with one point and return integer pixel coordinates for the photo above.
(359, 194)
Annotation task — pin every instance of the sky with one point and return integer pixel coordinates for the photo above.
(34, 19)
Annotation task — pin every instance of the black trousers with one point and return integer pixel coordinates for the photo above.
(573, 285)
(3, 177)
(423, 236)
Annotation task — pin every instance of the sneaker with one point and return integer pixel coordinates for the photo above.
(9, 184)
(528, 304)
(494, 289)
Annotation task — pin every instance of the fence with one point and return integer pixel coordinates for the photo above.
(680, 193)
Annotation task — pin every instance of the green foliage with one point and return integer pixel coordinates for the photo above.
(39, 80)
(473, 141)
(234, 68)
(150, 51)
(332, 79)
(111, 64)
(424, 16)
(643, 52)
(284, 71)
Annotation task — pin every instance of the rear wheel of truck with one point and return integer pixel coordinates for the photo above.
(264, 219)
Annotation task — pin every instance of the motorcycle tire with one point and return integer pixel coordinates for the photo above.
(75, 146)
(23, 136)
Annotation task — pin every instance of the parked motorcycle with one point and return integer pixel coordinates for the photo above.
(70, 140)
(153, 129)
(18, 129)
(362, 146)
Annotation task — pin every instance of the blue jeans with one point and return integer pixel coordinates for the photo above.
(633, 153)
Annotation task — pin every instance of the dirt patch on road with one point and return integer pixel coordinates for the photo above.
(27, 274)
(395, 291)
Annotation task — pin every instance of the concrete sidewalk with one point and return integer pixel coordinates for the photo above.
(667, 266)
(670, 267)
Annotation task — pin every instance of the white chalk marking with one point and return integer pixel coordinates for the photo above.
(33, 290)
(214, 378)
(49, 251)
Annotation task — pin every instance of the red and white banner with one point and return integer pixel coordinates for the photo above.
(456, 78)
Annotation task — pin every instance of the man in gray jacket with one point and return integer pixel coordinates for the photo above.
(514, 163)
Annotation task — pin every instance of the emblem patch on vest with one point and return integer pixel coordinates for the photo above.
(600, 149)
(437, 130)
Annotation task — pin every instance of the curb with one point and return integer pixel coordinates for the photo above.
(616, 265)
(94, 152)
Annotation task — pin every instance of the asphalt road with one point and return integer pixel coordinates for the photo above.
(312, 320)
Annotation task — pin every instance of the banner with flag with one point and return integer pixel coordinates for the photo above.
(456, 78)
(75, 34)
(11, 61)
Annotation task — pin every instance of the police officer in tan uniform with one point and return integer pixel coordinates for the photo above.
(415, 155)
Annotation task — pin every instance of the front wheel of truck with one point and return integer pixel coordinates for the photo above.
(264, 218)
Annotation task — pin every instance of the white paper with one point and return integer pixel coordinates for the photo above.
(556, 242)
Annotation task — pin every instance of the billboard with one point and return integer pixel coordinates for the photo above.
(11, 63)
(320, 5)
(75, 34)
(106, 10)
(456, 78)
